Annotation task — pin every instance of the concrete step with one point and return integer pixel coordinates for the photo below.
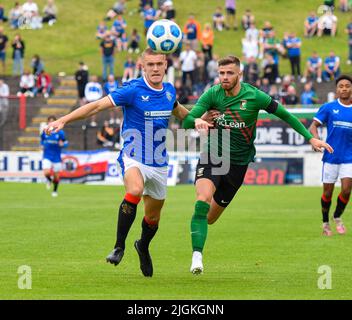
(72, 93)
(68, 82)
(32, 129)
(54, 111)
(62, 101)
(29, 139)
(39, 119)
(26, 148)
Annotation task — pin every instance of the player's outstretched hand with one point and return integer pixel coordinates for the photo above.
(202, 125)
(210, 116)
(319, 145)
(54, 126)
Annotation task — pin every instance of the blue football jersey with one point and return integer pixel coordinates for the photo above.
(51, 147)
(146, 114)
(338, 120)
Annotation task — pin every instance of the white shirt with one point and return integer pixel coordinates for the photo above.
(188, 59)
(30, 7)
(252, 33)
(250, 48)
(93, 91)
(4, 91)
(27, 81)
(326, 21)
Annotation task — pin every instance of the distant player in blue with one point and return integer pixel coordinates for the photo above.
(52, 146)
(147, 105)
(337, 116)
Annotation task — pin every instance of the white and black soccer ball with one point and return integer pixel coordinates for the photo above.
(164, 36)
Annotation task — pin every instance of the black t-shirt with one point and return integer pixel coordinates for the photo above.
(170, 14)
(3, 40)
(108, 47)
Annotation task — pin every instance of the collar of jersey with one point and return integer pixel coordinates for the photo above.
(344, 105)
(150, 87)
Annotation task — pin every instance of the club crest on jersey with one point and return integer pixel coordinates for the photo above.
(243, 105)
(145, 98)
(168, 95)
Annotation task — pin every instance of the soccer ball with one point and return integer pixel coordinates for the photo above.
(164, 36)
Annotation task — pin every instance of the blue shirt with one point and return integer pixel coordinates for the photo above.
(146, 113)
(293, 52)
(191, 31)
(314, 61)
(307, 97)
(331, 62)
(52, 149)
(110, 86)
(149, 12)
(312, 19)
(338, 120)
(118, 25)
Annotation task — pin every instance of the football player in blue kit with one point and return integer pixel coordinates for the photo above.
(147, 105)
(337, 116)
(52, 146)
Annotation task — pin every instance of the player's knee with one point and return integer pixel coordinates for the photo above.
(136, 191)
(346, 194)
(327, 194)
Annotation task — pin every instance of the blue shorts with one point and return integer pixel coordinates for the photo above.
(2, 55)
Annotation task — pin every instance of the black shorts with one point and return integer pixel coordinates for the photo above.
(226, 185)
(231, 11)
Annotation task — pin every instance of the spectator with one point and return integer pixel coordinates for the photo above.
(169, 11)
(107, 51)
(50, 13)
(263, 34)
(27, 84)
(15, 14)
(272, 45)
(345, 5)
(200, 74)
(330, 4)
(138, 70)
(251, 71)
(93, 92)
(313, 68)
(118, 8)
(270, 69)
(286, 82)
(265, 85)
(142, 4)
(3, 43)
(311, 25)
(18, 54)
(327, 24)
(150, 15)
(37, 65)
(291, 97)
(110, 86)
(331, 67)
(294, 53)
(135, 38)
(81, 77)
(247, 19)
(4, 95)
(122, 43)
(188, 59)
(274, 94)
(43, 85)
(128, 70)
(106, 135)
(349, 32)
(101, 30)
(192, 31)
(230, 6)
(308, 96)
(182, 92)
(252, 32)
(3, 18)
(250, 47)
(218, 19)
(31, 14)
(207, 41)
(119, 26)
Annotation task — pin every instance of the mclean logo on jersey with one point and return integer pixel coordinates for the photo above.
(222, 122)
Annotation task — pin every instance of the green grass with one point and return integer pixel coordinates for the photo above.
(72, 38)
(267, 245)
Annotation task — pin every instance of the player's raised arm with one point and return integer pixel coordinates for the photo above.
(83, 112)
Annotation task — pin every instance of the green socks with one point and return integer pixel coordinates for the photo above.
(199, 225)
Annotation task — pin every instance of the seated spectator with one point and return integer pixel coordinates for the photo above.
(3, 18)
(119, 26)
(308, 95)
(14, 16)
(207, 41)
(348, 30)
(128, 70)
(311, 25)
(274, 93)
(331, 67)
(31, 14)
(110, 86)
(247, 19)
(291, 97)
(150, 15)
(101, 30)
(286, 82)
(118, 8)
(4, 95)
(251, 71)
(212, 69)
(37, 65)
(168, 11)
(92, 92)
(270, 69)
(135, 38)
(327, 24)
(50, 13)
(250, 47)
(122, 43)
(182, 92)
(265, 85)
(252, 32)
(313, 68)
(106, 135)
(26, 84)
(43, 85)
(218, 19)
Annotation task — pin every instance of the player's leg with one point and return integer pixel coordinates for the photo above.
(56, 179)
(46, 164)
(134, 185)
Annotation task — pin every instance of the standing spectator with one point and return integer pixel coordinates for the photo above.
(265, 85)
(192, 31)
(81, 77)
(207, 41)
(218, 19)
(250, 47)
(252, 32)
(93, 92)
(119, 26)
(50, 13)
(331, 67)
(27, 83)
(311, 25)
(294, 53)
(263, 34)
(101, 30)
(272, 46)
(313, 68)
(291, 97)
(122, 43)
(169, 11)
(349, 32)
(110, 86)
(107, 51)
(345, 5)
(128, 70)
(212, 69)
(43, 85)
(134, 42)
(15, 14)
(327, 24)
(188, 59)
(247, 19)
(3, 42)
(251, 71)
(3, 18)
(17, 54)
(182, 92)
(4, 101)
(150, 15)
(308, 96)
(138, 70)
(37, 65)
(230, 6)
(106, 135)
(270, 69)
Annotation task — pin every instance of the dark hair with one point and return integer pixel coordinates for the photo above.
(52, 118)
(343, 77)
(229, 60)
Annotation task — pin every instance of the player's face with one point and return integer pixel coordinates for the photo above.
(154, 67)
(229, 76)
(344, 89)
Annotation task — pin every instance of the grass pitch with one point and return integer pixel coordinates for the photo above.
(267, 245)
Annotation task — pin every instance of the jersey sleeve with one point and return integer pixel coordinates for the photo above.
(263, 101)
(322, 114)
(122, 96)
(62, 137)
